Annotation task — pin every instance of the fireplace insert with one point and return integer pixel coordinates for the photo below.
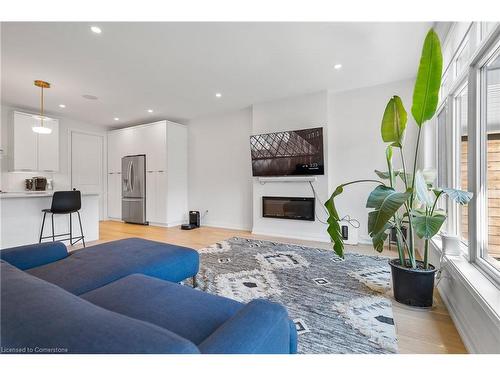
(294, 208)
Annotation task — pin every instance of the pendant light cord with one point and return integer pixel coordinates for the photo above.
(41, 109)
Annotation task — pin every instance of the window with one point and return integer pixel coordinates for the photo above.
(468, 145)
(461, 152)
(443, 135)
(486, 28)
(442, 168)
(490, 115)
(462, 57)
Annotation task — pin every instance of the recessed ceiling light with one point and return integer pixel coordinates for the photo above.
(218, 95)
(116, 118)
(337, 66)
(150, 110)
(96, 29)
(62, 105)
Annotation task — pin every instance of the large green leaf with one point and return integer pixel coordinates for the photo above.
(459, 196)
(394, 122)
(379, 238)
(427, 226)
(398, 172)
(383, 175)
(386, 202)
(333, 223)
(428, 82)
(388, 157)
(422, 191)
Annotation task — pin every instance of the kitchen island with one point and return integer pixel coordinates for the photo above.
(21, 218)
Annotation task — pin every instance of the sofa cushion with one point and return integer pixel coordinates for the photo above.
(30, 256)
(40, 317)
(92, 267)
(189, 313)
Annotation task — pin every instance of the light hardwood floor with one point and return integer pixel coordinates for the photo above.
(418, 330)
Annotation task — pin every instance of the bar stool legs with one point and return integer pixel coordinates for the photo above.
(81, 229)
(53, 236)
(43, 223)
(70, 230)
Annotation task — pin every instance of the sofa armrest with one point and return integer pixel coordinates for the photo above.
(30, 256)
(260, 327)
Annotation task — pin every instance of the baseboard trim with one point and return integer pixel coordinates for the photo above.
(469, 302)
(216, 224)
(304, 237)
(459, 324)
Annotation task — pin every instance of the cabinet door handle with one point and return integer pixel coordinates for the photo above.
(150, 171)
(161, 171)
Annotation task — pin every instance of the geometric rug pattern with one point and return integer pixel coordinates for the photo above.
(337, 305)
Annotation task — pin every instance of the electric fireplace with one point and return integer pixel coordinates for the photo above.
(293, 208)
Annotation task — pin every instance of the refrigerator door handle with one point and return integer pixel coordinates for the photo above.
(129, 175)
(132, 176)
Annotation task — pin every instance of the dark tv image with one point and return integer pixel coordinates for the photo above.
(288, 153)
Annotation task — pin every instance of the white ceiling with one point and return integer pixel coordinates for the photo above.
(176, 68)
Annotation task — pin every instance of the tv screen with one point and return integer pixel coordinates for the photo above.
(288, 153)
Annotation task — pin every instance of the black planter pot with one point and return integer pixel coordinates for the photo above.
(413, 287)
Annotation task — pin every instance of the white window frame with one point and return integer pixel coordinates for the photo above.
(455, 154)
(478, 229)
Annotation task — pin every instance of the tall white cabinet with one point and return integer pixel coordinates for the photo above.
(165, 145)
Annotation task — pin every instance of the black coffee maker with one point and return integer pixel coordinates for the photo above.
(194, 221)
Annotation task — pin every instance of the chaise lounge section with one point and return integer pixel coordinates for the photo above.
(86, 269)
(138, 312)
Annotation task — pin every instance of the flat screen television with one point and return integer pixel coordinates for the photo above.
(288, 153)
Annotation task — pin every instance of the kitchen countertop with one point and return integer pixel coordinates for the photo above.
(31, 194)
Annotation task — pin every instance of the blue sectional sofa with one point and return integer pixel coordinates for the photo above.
(124, 297)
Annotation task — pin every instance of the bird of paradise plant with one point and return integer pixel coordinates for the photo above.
(416, 203)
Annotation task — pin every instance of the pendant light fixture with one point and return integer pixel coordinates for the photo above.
(41, 129)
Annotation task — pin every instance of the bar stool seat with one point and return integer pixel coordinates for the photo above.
(64, 203)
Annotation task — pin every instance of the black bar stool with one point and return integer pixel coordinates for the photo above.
(64, 202)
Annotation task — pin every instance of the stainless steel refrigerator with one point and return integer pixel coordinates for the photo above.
(134, 189)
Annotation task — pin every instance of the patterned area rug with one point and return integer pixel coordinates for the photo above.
(338, 306)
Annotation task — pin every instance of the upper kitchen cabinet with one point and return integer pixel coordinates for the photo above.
(32, 151)
(154, 139)
(25, 143)
(48, 148)
(149, 139)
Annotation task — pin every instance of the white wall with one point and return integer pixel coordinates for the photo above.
(355, 144)
(300, 112)
(220, 169)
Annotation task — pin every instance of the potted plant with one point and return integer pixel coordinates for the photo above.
(405, 195)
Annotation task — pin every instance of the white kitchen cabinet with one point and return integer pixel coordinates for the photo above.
(48, 148)
(154, 139)
(114, 195)
(161, 197)
(33, 151)
(25, 143)
(165, 145)
(150, 196)
(156, 197)
(114, 157)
